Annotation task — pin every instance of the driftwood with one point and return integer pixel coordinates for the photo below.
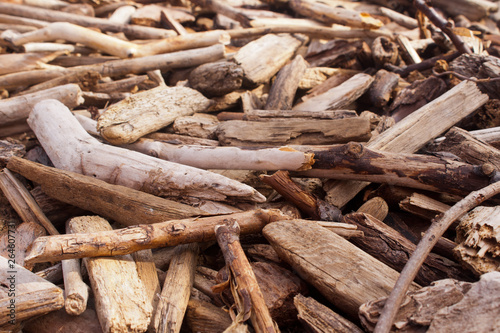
(16, 247)
(217, 78)
(205, 317)
(146, 112)
(423, 206)
(201, 125)
(60, 321)
(120, 301)
(151, 169)
(322, 259)
(162, 234)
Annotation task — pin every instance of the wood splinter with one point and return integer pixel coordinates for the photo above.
(244, 286)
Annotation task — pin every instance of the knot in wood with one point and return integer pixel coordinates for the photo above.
(354, 150)
(177, 228)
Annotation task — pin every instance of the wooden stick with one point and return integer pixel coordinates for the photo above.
(401, 19)
(243, 277)
(435, 231)
(176, 289)
(60, 321)
(264, 115)
(16, 247)
(84, 154)
(121, 303)
(125, 205)
(223, 8)
(24, 294)
(206, 317)
(131, 239)
(146, 270)
(22, 201)
(75, 290)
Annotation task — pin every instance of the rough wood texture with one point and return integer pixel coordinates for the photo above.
(124, 205)
(201, 125)
(423, 206)
(217, 78)
(206, 317)
(24, 295)
(325, 261)
(147, 272)
(16, 247)
(176, 290)
(131, 239)
(282, 93)
(382, 87)
(264, 57)
(477, 235)
(121, 303)
(313, 132)
(318, 318)
(147, 112)
(61, 322)
(84, 154)
(338, 97)
(76, 292)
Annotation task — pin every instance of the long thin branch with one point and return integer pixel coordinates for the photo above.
(424, 247)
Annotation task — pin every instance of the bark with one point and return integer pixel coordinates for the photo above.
(380, 92)
(401, 19)
(84, 154)
(131, 239)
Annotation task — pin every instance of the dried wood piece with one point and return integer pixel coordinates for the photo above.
(338, 97)
(217, 78)
(423, 206)
(59, 321)
(223, 8)
(412, 133)
(384, 51)
(264, 57)
(121, 303)
(342, 229)
(122, 14)
(176, 290)
(409, 54)
(22, 201)
(376, 207)
(201, 125)
(148, 111)
(314, 76)
(282, 93)
(474, 10)
(115, 68)
(329, 14)
(16, 109)
(25, 234)
(419, 307)
(17, 62)
(305, 201)
(300, 132)
(478, 247)
(168, 21)
(264, 115)
(10, 148)
(401, 19)
(319, 318)
(86, 81)
(321, 258)
(380, 92)
(124, 205)
(244, 286)
(131, 239)
(393, 249)
(24, 295)
(84, 154)
(205, 317)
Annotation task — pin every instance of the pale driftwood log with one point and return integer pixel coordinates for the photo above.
(298, 132)
(85, 80)
(423, 206)
(127, 84)
(376, 207)
(282, 93)
(115, 68)
(338, 97)
(103, 162)
(16, 247)
(401, 19)
(393, 249)
(121, 303)
(9, 19)
(178, 139)
(409, 54)
(224, 8)
(319, 318)
(59, 321)
(24, 295)
(205, 317)
(354, 161)
(176, 290)
(419, 307)
(217, 78)
(329, 14)
(383, 85)
(478, 246)
(342, 229)
(266, 115)
(17, 62)
(325, 260)
(124, 205)
(314, 76)
(76, 292)
(134, 31)
(122, 14)
(264, 57)
(464, 145)
(333, 81)
(22, 201)
(472, 9)
(148, 111)
(200, 125)
(167, 20)
(414, 131)
(245, 289)
(17, 109)
(131, 239)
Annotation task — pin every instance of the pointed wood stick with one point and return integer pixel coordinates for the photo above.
(124, 205)
(176, 289)
(131, 239)
(243, 277)
(53, 123)
(424, 247)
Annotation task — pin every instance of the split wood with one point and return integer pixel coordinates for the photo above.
(131, 239)
(430, 238)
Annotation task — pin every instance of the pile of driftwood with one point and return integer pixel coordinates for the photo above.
(249, 165)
